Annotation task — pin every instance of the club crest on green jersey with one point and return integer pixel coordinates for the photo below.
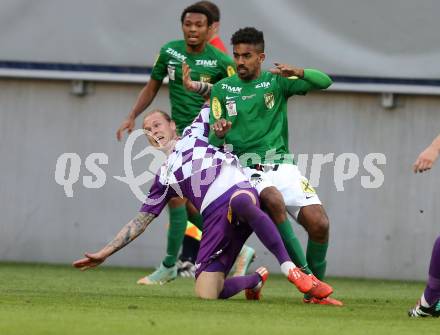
(205, 78)
(269, 100)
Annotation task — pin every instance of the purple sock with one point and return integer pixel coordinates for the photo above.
(243, 206)
(237, 284)
(432, 290)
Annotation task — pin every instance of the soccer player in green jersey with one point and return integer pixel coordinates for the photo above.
(249, 112)
(209, 65)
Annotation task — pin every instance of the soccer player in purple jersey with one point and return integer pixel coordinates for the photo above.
(429, 303)
(249, 112)
(214, 182)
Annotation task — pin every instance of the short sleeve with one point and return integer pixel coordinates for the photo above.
(160, 66)
(229, 65)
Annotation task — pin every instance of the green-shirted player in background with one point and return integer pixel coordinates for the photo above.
(190, 244)
(249, 112)
(209, 65)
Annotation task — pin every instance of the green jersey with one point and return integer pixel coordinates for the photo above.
(258, 112)
(211, 65)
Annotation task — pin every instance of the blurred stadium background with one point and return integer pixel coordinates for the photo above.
(71, 70)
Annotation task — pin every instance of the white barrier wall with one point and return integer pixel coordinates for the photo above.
(384, 232)
(393, 38)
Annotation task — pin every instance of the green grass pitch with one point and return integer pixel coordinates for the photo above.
(48, 299)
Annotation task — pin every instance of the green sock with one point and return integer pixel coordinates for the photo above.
(196, 220)
(176, 232)
(316, 254)
(293, 246)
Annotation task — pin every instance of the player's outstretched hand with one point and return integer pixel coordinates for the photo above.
(90, 261)
(128, 125)
(221, 127)
(287, 70)
(186, 77)
(425, 160)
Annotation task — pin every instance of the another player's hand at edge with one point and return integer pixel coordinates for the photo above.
(425, 160)
(221, 127)
(128, 125)
(287, 70)
(90, 261)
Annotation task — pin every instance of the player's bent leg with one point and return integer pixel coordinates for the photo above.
(194, 215)
(272, 202)
(254, 293)
(234, 285)
(243, 261)
(167, 270)
(190, 243)
(314, 219)
(161, 276)
(209, 284)
(432, 290)
(244, 205)
(212, 285)
(429, 303)
(176, 230)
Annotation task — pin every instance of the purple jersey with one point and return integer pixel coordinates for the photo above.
(190, 169)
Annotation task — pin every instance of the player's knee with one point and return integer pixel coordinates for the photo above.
(272, 201)
(319, 228)
(176, 202)
(242, 200)
(206, 295)
(206, 288)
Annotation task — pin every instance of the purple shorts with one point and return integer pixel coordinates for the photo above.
(223, 235)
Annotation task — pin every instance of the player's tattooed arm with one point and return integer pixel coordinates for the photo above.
(130, 231)
(204, 89)
(127, 234)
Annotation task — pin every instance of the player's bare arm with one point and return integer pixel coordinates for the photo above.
(127, 234)
(427, 157)
(204, 89)
(144, 99)
(287, 70)
(221, 127)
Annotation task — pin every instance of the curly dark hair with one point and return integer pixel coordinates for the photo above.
(196, 8)
(249, 35)
(212, 7)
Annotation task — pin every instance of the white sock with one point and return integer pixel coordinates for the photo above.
(286, 266)
(423, 301)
